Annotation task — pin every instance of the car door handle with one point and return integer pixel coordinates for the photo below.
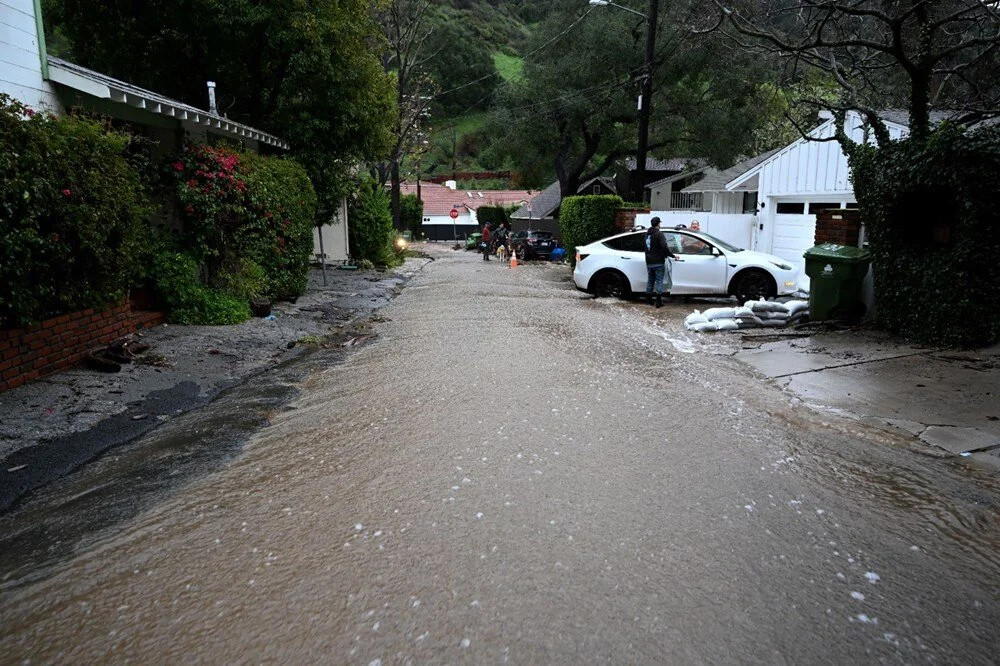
(626, 258)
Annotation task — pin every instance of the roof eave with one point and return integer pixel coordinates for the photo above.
(135, 97)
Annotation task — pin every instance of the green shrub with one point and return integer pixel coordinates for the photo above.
(188, 299)
(585, 219)
(493, 215)
(238, 206)
(411, 212)
(370, 231)
(930, 212)
(282, 215)
(72, 213)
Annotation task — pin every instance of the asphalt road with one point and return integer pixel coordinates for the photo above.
(513, 472)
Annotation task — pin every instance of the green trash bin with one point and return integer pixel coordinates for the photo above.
(836, 274)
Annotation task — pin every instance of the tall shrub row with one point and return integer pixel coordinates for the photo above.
(247, 231)
(411, 213)
(586, 219)
(370, 233)
(494, 215)
(72, 214)
(932, 215)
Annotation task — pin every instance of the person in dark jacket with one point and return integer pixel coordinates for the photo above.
(658, 267)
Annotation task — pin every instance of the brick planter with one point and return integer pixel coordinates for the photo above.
(57, 343)
(838, 225)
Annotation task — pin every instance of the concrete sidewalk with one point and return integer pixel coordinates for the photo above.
(948, 399)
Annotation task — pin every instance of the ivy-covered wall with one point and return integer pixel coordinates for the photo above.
(932, 215)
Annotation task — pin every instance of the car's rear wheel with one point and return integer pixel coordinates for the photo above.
(610, 283)
(753, 285)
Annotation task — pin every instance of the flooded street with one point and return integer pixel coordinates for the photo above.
(515, 472)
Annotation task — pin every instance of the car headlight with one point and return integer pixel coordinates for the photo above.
(782, 266)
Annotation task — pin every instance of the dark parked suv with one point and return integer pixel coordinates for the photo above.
(533, 244)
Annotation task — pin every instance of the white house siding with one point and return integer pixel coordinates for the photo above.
(442, 227)
(335, 245)
(805, 172)
(20, 64)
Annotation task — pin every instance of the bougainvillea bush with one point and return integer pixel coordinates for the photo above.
(72, 214)
(247, 223)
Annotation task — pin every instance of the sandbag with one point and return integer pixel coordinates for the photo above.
(695, 317)
(743, 311)
(766, 306)
(705, 327)
(795, 307)
(726, 324)
(719, 313)
(752, 321)
(775, 316)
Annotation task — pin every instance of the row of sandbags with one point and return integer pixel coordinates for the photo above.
(752, 314)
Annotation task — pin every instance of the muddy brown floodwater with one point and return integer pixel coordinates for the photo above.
(513, 472)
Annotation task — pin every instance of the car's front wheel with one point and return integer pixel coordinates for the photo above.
(610, 283)
(754, 285)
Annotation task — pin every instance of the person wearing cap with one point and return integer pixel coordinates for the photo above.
(658, 267)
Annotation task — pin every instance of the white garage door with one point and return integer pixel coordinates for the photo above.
(795, 227)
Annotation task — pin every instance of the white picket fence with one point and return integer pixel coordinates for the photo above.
(736, 229)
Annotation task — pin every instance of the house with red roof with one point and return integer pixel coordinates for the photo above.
(440, 200)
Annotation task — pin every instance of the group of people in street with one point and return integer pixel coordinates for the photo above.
(659, 257)
(491, 240)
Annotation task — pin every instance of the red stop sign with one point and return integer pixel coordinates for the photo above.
(453, 213)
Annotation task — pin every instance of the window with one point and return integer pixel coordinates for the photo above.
(597, 189)
(684, 244)
(790, 208)
(749, 202)
(851, 205)
(630, 243)
(817, 207)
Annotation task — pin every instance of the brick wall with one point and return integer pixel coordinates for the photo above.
(840, 226)
(57, 343)
(625, 218)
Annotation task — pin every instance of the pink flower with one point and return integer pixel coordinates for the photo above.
(67, 192)
(29, 111)
(189, 209)
(178, 166)
(55, 238)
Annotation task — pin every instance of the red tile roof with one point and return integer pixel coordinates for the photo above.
(439, 200)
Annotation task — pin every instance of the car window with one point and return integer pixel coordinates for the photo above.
(542, 234)
(629, 243)
(520, 234)
(684, 244)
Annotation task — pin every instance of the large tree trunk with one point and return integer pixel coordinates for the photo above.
(394, 195)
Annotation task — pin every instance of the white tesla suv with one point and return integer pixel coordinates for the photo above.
(616, 266)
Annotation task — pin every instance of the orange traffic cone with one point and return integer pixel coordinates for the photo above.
(513, 259)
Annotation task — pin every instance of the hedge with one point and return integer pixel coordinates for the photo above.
(585, 219)
(247, 226)
(493, 215)
(72, 214)
(411, 213)
(931, 215)
(370, 233)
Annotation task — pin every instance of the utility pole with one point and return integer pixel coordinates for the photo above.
(645, 101)
(645, 92)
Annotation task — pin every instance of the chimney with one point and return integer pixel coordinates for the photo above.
(451, 184)
(211, 97)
